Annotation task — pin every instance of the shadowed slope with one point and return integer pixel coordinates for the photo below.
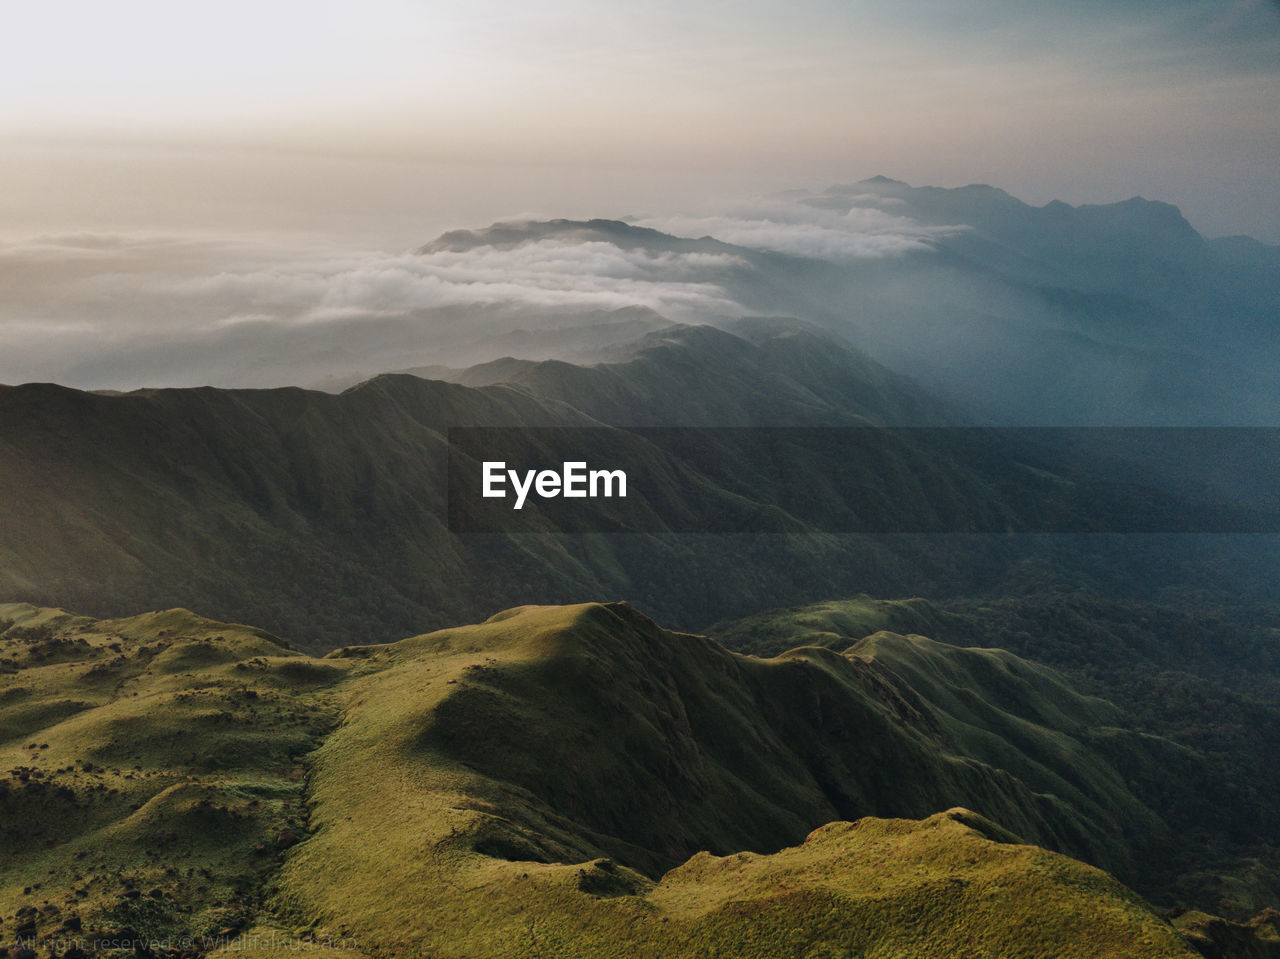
(766, 372)
(1198, 688)
(547, 766)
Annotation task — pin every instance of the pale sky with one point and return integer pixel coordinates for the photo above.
(388, 120)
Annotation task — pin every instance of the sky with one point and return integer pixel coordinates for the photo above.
(384, 121)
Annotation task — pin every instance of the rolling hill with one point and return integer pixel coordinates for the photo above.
(559, 781)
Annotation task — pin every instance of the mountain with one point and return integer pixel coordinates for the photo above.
(154, 772)
(588, 339)
(614, 232)
(572, 780)
(1115, 313)
(1063, 721)
(1109, 314)
(1015, 314)
(1199, 688)
(1102, 314)
(761, 372)
(324, 516)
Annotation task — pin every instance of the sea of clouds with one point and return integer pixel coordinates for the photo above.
(123, 311)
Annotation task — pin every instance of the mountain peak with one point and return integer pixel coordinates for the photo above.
(509, 235)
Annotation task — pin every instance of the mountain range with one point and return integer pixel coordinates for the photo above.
(1116, 314)
(963, 657)
(324, 516)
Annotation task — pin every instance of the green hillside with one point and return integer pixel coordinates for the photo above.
(559, 781)
(153, 770)
(1199, 689)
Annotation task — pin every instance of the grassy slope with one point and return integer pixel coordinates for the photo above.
(1199, 689)
(519, 767)
(557, 781)
(152, 769)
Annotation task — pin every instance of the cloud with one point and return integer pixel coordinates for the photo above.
(178, 301)
(798, 226)
(544, 275)
(124, 310)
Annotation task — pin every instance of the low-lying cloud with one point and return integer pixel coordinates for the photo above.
(103, 310)
(861, 229)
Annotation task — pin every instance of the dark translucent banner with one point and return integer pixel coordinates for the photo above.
(864, 480)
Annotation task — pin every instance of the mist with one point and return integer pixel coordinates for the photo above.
(1108, 314)
(113, 310)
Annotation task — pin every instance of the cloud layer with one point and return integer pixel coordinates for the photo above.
(104, 310)
(792, 224)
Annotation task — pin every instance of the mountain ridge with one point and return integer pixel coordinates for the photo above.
(322, 515)
(537, 824)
